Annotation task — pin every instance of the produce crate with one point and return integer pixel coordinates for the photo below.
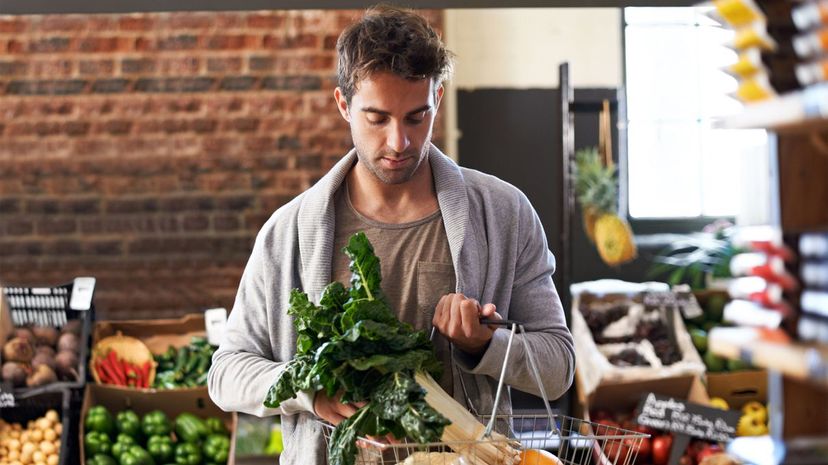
(157, 335)
(172, 402)
(50, 307)
(33, 405)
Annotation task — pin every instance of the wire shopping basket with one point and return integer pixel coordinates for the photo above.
(536, 439)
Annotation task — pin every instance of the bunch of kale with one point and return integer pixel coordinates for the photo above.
(354, 344)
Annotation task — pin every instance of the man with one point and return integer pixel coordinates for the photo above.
(455, 245)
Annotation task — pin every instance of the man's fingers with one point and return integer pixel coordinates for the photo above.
(469, 316)
(488, 310)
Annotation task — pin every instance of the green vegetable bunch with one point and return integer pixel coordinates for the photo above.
(353, 344)
(150, 440)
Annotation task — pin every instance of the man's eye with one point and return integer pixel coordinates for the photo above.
(377, 121)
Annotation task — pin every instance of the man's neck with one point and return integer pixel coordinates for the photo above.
(392, 203)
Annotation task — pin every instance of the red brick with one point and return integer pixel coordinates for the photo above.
(100, 44)
(19, 227)
(49, 45)
(148, 127)
(12, 25)
(227, 20)
(243, 124)
(278, 42)
(142, 65)
(23, 128)
(51, 69)
(62, 23)
(231, 42)
(198, 222)
(56, 226)
(172, 126)
(176, 66)
(47, 128)
(76, 128)
(14, 68)
(177, 42)
(104, 67)
(142, 22)
(224, 64)
(226, 222)
(117, 127)
(15, 46)
(191, 20)
(102, 23)
(203, 126)
(271, 20)
(329, 42)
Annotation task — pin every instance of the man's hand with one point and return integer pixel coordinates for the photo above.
(331, 409)
(458, 318)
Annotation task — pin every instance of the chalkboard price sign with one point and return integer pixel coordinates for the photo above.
(681, 417)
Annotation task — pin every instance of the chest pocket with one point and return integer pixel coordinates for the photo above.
(434, 280)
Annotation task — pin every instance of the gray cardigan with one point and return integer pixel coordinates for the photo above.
(500, 255)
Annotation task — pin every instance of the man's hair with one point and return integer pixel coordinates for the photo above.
(394, 40)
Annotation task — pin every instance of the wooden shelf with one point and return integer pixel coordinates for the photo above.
(799, 361)
(802, 111)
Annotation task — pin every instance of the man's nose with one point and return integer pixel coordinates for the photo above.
(398, 139)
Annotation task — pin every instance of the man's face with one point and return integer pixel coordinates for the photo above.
(391, 121)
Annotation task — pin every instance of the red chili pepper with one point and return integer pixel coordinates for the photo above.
(115, 365)
(146, 369)
(102, 373)
(110, 370)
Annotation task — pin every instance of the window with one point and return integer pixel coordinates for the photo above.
(679, 165)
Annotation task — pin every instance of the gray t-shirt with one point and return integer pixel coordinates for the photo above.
(416, 266)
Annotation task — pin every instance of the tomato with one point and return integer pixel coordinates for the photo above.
(710, 449)
(640, 448)
(617, 451)
(661, 449)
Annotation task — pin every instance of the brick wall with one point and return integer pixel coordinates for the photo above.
(147, 150)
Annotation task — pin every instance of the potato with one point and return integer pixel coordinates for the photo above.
(52, 416)
(14, 444)
(50, 435)
(39, 456)
(14, 455)
(58, 429)
(44, 424)
(28, 448)
(47, 447)
(25, 458)
(36, 436)
(52, 459)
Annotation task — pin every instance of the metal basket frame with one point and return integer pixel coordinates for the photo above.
(575, 441)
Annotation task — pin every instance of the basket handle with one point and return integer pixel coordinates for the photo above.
(530, 355)
(515, 328)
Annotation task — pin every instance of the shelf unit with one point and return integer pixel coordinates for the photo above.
(797, 371)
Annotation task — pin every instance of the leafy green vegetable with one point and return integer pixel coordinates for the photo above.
(354, 344)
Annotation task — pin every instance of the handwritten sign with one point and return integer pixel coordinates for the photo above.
(685, 301)
(678, 416)
(6, 396)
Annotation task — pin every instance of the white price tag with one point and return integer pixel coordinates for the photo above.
(82, 290)
(215, 320)
(6, 397)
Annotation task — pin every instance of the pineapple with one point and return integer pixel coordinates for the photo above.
(597, 193)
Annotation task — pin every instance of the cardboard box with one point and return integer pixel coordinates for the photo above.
(156, 334)
(739, 387)
(623, 397)
(172, 402)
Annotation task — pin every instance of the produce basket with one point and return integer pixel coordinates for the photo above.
(525, 439)
(34, 405)
(54, 307)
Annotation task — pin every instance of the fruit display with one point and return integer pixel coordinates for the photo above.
(38, 355)
(655, 450)
(713, 304)
(38, 443)
(629, 332)
(184, 367)
(128, 439)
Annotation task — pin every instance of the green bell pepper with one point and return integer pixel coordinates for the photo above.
(97, 442)
(187, 454)
(161, 448)
(216, 426)
(128, 423)
(99, 419)
(101, 459)
(216, 448)
(190, 428)
(156, 423)
(122, 444)
(135, 455)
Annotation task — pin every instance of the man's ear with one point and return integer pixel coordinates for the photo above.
(440, 91)
(342, 104)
